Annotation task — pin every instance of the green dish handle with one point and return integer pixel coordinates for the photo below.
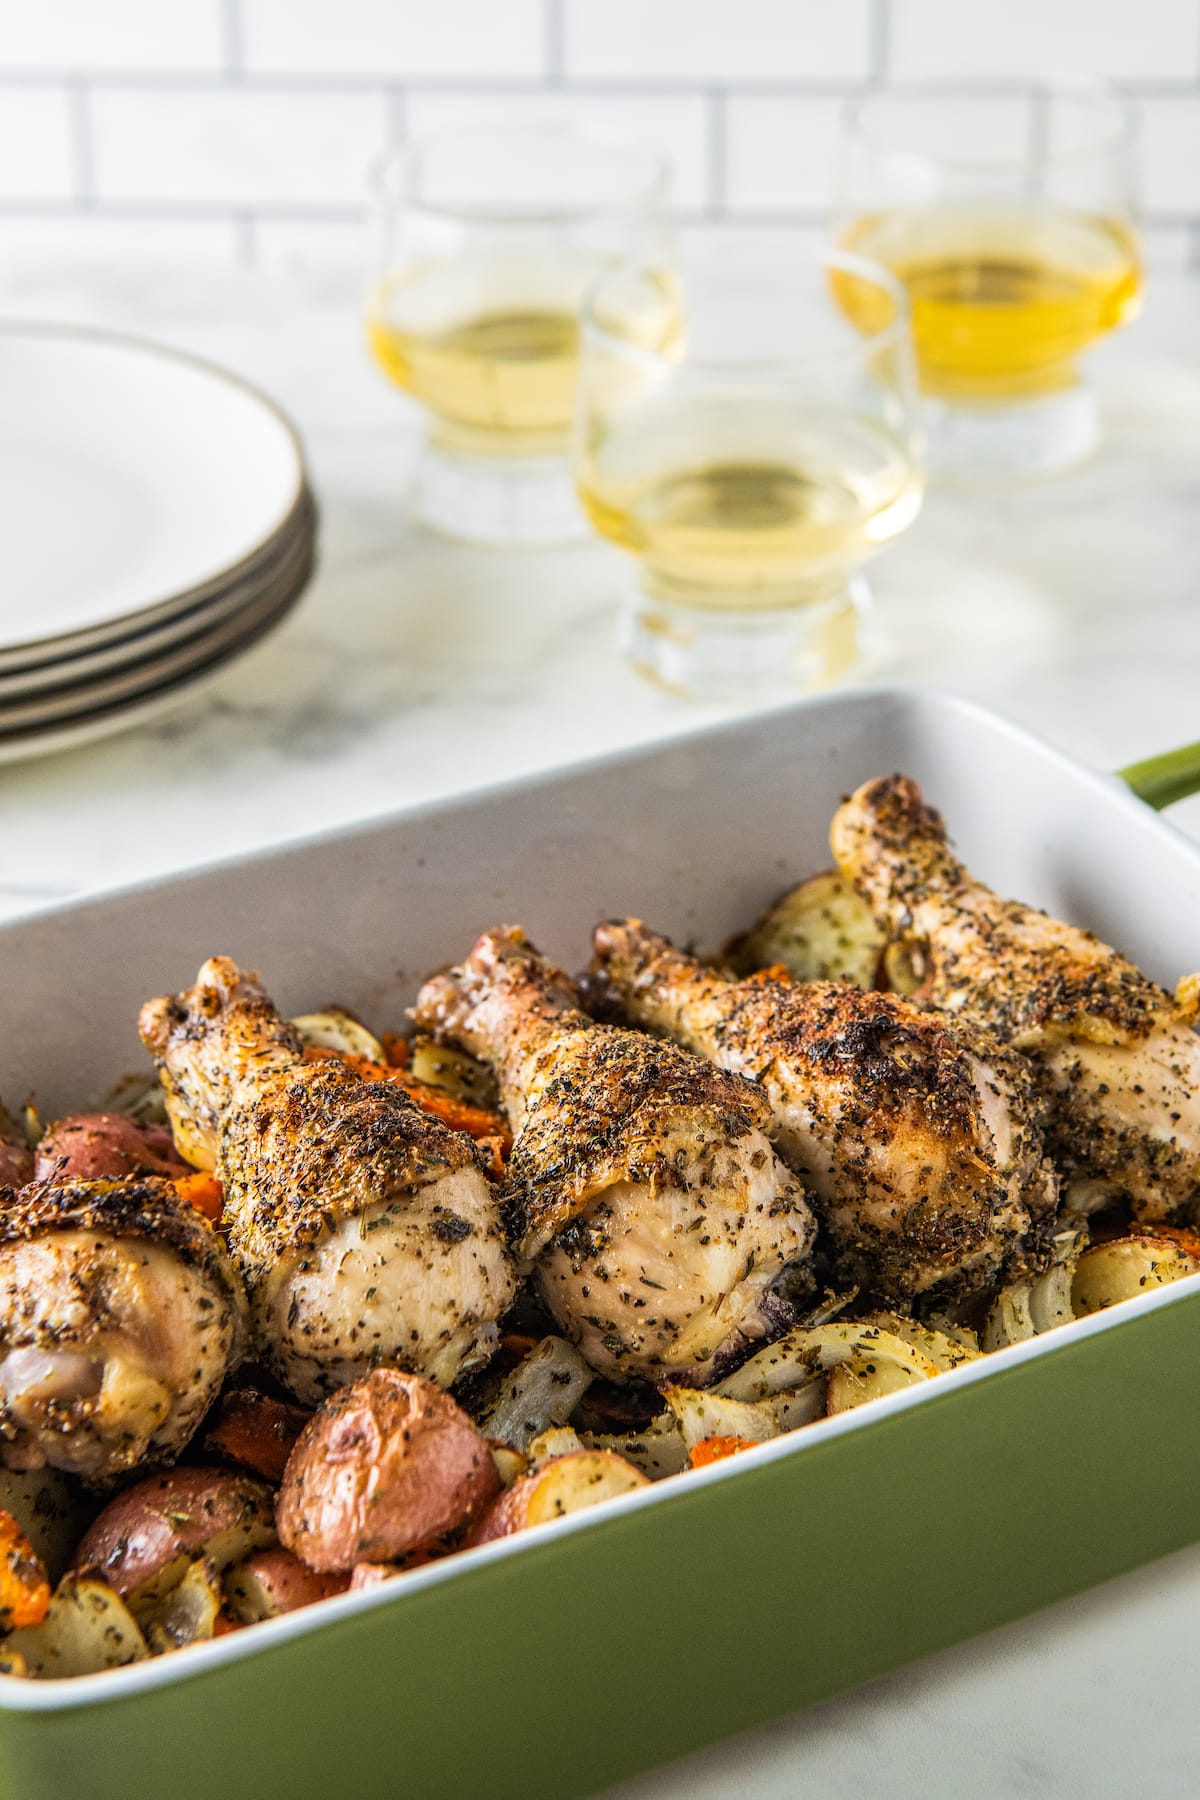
(1161, 780)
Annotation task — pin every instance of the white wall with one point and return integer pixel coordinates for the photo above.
(240, 129)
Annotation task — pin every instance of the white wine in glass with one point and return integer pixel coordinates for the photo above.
(486, 243)
(1006, 211)
(751, 452)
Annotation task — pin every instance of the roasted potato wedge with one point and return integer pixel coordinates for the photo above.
(439, 1066)
(387, 1465)
(335, 1029)
(190, 1611)
(48, 1508)
(705, 1412)
(568, 1484)
(145, 1540)
(88, 1627)
(657, 1451)
(1125, 1267)
(821, 930)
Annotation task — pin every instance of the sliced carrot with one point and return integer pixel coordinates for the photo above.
(257, 1431)
(24, 1584)
(1188, 1240)
(460, 1115)
(204, 1191)
(397, 1049)
(715, 1449)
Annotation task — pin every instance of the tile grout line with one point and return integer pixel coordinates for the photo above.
(82, 147)
(716, 126)
(879, 39)
(233, 39)
(555, 28)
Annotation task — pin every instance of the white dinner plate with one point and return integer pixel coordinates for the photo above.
(158, 699)
(132, 479)
(113, 655)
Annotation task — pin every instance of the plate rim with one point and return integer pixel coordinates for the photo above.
(57, 647)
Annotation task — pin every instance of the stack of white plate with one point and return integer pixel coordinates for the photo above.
(157, 524)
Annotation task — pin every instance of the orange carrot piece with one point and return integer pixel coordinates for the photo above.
(24, 1584)
(204, 1191)
(460, 1115)
(397, 1049)
(1187, 1239)
(257, 1431)
(716, 1449)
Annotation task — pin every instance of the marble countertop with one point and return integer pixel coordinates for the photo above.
(415, 667)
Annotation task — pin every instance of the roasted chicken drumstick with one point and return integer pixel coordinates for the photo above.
(642, 1178)
(119, 1316)
(920, 1145)
(365, 1229)
(1117, 1060)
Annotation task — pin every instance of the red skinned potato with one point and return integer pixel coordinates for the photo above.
(256, 1430)
(274, 1581)
(387, 1466)
(146, 1539)
(568, 1484)
(98, 1146)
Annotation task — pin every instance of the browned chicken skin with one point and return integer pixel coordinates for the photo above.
(119, 1317)
(642, 1179)
(920, 1145)
(1118, 1062)
(365, 1229)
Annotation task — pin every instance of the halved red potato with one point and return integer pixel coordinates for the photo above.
(387, 1465)
(274, 1581)
(96, 1146)
(144, 1541)
(569, 1484)
(1124, 1267)
(88, 1627)
(256, 1430)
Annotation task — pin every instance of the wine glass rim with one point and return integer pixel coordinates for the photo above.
(857, 109)
(649, 193)
(829, 256)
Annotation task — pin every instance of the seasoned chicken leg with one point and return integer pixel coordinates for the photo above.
(119, 1316)
(920, 1145)
(1117, 1060)
(366, 1230)
(642, 1178)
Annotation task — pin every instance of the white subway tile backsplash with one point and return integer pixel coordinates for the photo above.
(780, 153)
(303, 244)
(717, 40)
(92, 36)
(1171, 153)
(36, 161)
(1152, 40)
(402, 38)
(86, 240)
(673, 123)
(257, 117)
(237, 146)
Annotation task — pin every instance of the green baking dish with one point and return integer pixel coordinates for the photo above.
(559, 1661)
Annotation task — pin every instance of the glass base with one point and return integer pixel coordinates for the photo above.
(742, 655)
(968, 444)
(485, 500)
